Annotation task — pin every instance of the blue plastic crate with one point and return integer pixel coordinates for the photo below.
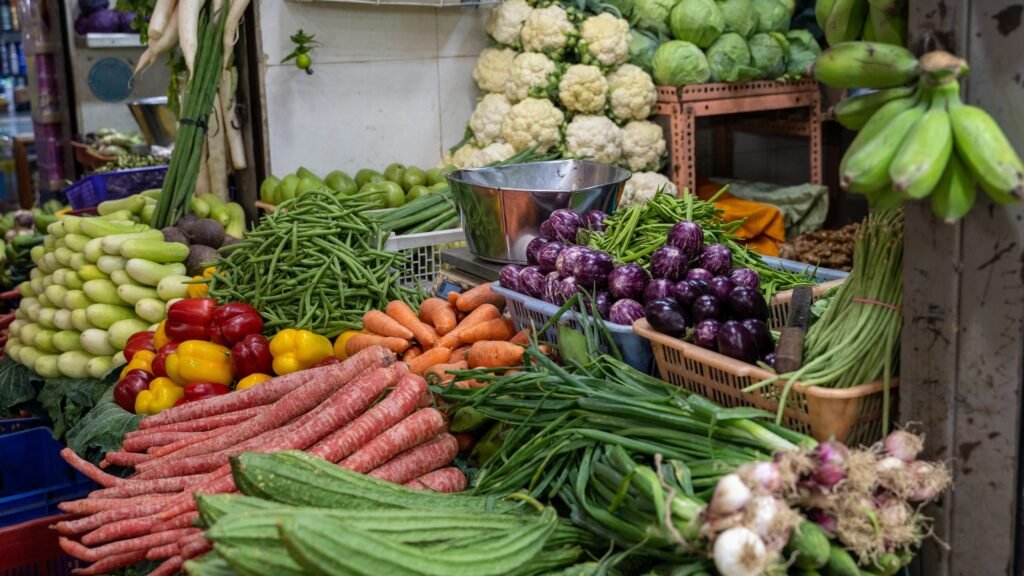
(35, 478)
(819, 274)
(19, 424)
(91, 190)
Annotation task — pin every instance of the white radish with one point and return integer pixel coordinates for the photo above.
(161, 16)
(232, 125)
(235, 12)
(217, 162)
(740, 552)
(188, 30)
(155, 47)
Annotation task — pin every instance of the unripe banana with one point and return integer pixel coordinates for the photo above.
(887, 28)
(822, 8)
(845, 21)
(868, 33)
(987, 153)
(876, 126)
(867, 168)
(865, 65)
(955, 193)
(885, 198)
(886, 6)
(922, 158)
(854, 112)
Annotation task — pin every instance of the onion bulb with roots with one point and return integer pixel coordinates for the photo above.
(903, 445)
(831, 458)
(731, 495)
(740, 552)
(764, 475)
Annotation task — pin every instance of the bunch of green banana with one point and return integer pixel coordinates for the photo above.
(882, 21)
(866, 65)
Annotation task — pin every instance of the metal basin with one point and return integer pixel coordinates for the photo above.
(158, 126)
(503, 207)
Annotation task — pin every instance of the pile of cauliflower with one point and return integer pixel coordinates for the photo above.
(561, 80)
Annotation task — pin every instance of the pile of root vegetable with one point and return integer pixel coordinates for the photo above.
(825, 248)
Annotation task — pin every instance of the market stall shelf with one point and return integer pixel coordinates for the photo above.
(682, 107)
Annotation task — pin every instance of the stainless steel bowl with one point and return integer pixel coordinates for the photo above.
(158, 126)
(503, 207)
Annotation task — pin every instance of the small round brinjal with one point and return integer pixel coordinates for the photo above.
(686, 293)
(699, 274)
(721, 287)
(567, 258)
(658, 289)
(745, 302)
(547, 256)
(533, 247)
(628, 281)
(568, 287)
(666, 316)
(531, 282)
(717, 259)
(603, 301)
(563, 224)
(705, 334)
(592, 269)
(769, 359)
(736, 342)
(688, 237)
(625, 312)
(553, 289)
(745, 277)
(762, 335)
(594, 220)
(668, 262)
(706, 307)
(509, 277)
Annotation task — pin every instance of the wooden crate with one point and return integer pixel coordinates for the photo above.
(682, 106)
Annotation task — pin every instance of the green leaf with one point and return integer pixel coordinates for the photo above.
(18, 386)
(102, 430)
(66, 400)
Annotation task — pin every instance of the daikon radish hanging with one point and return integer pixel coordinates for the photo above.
(155, 47)
(235, 13)
(232, 125)
(217, 161)
(161, 17)
(188, 30)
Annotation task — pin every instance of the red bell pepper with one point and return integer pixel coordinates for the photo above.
(159, 365)
(128, 388)
(251, 355)
(199, 390)
(138, 341)
(189, 319)
(234, 321)
(328, 361)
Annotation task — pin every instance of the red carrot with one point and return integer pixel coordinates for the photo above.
(196, 547)
(119, 530)
(94, 521)
(136, 487)
(94, 505)
(412, 431)
(446, 480)
(123, 546)
(169, 567)
(111, 563)
(219, 482)
(201, 424)
(141, 443)
(88, 469)
(158, 451)
(180, 521)
(165, 551)
(397, 405)
(418, 461)
(121, 458)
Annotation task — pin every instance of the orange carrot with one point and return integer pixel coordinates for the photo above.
(484, 313)
(453, 298)
(495, 354)
(482, 294)
(439, 372)
(497, 329)
(522, 337)
(404, 315)
(459, 354)
(411, 353)
(381, 324)
(360, 341)
(469, 384)
(439, 314)
(433, 356)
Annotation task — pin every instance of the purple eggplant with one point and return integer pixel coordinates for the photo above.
(592, 269)
(509, 277)
(547, 256)
(568, 287)
(699, 274)
(721, 287)
(762, 336)
(666, 316)
(553, 289)
(745, 302)
(594, 220)
(717, 259)
(567, 258)
(628, 281)
(563, 224)
(534, 247)
(705, 334)
(687, 292)
(736, 342)
(603, 301)
(658, 289)
(668, 262)
(769, 359)
(688, 237)
(707, 307)
(531, 281)
(745, 277)
(625, 312)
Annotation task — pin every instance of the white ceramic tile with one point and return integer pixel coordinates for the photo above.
(352, 115)
(460, 30)
(458, 94)
(349, 32)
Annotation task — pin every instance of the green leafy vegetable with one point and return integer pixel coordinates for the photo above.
(18, 386)
(102, 429)
(67, 400)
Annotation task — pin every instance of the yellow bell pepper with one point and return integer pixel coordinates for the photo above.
(295, 350)
(143, 360)
(160, 336)
(252, 380)
(161, 395)
(198, 361)
(339, 343)
(201, 290)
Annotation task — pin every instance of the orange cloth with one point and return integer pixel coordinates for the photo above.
(764, 229)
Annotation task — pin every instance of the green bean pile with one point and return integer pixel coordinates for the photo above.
(316, 264)
(633, 234)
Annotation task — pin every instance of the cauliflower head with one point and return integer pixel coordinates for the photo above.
(548, 30)
(643, 145)
(643, 186)
(631, 93)
(463, 157)
(533, 122)
(604, 40)
(593, 138)
(485, 122)
(531, 73)
(496, 152)
(583, 89)
(506, 21)
(491, 69)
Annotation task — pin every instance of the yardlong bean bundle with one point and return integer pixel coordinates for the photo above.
(317, 264)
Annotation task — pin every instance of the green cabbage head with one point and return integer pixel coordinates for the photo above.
(768, 55)
(678, 63)
(698, 21)
(739, 16)
(652, 15)
(803, 50)
(642, 46)
(772, 15)
(729, 59)
(625, 7)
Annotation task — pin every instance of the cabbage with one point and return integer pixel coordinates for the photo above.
(729, 59)
(678, 63)
(767, 55)
(625, 7)
(697, 21)
(772, 15)
(803, 49)
(641, 49)
(652, 15)
(739, 17)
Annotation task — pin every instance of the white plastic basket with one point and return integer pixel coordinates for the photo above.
(423, 252)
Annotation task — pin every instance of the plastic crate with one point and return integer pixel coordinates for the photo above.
(96, 188)
(31, 549)
(423, 252)
(39, 480)
(19, 424)
(527, 312)
(819, 274)
(778, 311)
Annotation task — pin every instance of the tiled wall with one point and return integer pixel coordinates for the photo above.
(390, 83)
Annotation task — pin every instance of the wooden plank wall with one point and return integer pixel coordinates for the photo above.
(962, 352)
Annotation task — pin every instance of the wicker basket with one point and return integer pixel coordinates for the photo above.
(778, 312)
